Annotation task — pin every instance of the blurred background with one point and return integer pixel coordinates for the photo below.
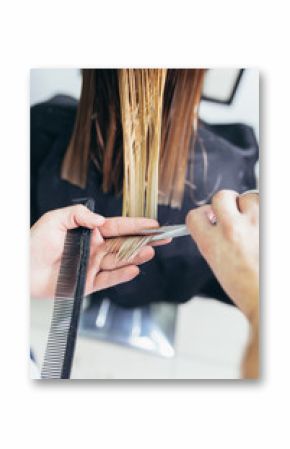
(205, 338)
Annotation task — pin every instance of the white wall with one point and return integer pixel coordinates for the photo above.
(45, 83)
(245, 107)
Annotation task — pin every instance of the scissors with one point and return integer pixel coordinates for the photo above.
(165, 232)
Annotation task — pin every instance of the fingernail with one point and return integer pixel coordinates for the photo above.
(212, 217)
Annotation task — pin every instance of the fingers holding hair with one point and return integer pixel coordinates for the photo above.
(110, 261)
(119, 226)
(101, 263)
(74, 216)
(107, 279)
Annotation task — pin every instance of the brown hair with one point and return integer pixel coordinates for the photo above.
(99, 132)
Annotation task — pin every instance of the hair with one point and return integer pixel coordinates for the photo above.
(126, 247)
(141, 100)
(136, 126)
(101, 127)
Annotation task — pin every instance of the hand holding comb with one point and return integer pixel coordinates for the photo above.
(69, 294)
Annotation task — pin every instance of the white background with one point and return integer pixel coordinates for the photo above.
(156, 415)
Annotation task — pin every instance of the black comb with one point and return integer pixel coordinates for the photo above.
(69, 294)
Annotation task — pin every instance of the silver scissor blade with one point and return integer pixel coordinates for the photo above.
(166, 232)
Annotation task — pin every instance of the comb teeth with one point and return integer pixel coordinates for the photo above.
(67, 304)
(57, 339)
(63, 307)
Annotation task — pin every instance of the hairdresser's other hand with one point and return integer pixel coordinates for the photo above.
(47, 240)
(231, 246)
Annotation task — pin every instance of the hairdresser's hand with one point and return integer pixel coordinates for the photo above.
(47, 240)
(231, 246)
